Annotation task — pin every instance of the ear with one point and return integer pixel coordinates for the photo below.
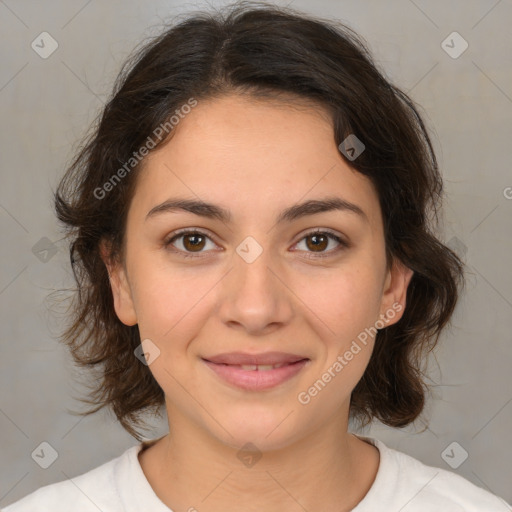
(395, 292)
(123, 301)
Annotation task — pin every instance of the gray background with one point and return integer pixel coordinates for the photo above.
(47, 104)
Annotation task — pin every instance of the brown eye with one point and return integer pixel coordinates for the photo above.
(318, 241)
(188, 242)
(193, 242)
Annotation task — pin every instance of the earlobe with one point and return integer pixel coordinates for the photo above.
(395, 291)
(121, 292)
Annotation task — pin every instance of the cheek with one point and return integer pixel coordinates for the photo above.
(346, 300)
(347, 305)
(170, 313)
(171, 304)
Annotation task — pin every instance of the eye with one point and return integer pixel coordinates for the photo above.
(190, 240)
(194, 241)
(317, 241)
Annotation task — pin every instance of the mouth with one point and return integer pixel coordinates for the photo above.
(256, 372)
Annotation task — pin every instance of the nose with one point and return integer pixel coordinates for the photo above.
(256, 296)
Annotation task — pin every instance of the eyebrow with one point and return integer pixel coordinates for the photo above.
(212, 211)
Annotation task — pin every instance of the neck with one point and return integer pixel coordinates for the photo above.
(329, 471)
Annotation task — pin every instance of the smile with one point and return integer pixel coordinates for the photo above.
(256, 377)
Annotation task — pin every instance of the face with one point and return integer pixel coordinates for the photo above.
(258, 280)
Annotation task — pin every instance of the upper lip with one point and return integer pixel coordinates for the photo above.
(267, 358)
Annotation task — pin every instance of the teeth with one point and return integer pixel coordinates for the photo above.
(260, 367)
(249, 367)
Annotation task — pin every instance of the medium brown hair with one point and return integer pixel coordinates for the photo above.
(261, 51)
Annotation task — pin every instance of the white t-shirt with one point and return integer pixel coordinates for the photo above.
(402, 484)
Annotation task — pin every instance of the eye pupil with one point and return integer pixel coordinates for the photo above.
(195, 244)
(321, 245)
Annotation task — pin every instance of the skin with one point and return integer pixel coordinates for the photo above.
(255, 158)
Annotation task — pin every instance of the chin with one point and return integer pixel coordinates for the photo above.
(266, 429)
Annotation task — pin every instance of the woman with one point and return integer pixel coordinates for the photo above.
(250, 234)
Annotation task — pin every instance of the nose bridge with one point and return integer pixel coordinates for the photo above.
(254, 293)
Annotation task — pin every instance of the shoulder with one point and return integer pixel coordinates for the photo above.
(403, 481)
(437, 486)
(91, 491)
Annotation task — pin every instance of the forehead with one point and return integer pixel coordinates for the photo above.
(252, 155)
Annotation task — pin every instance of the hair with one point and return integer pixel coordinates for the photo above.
(270, 52)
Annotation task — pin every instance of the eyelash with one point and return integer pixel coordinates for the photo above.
(178, 234)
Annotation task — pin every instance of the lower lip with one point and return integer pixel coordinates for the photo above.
(256, 380)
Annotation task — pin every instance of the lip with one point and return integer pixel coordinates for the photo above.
(239, 358)
(256, 380)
